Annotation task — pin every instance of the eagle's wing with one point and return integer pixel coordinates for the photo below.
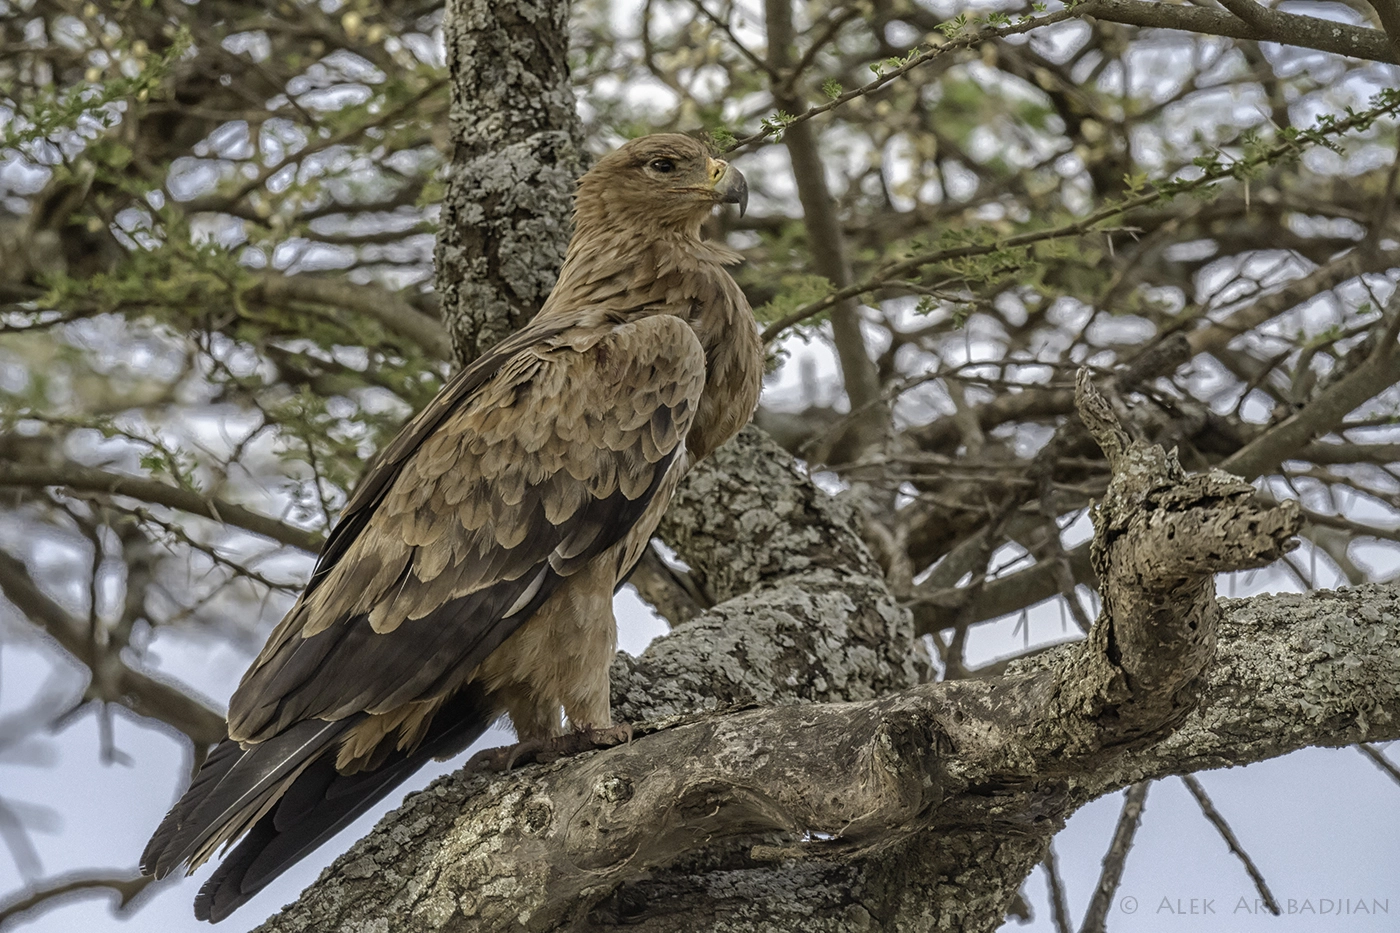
(474, 516)
(531, 463)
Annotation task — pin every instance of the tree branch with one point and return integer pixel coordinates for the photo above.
(517, 151)
(1378, 372)
(112, 680)
(1215, 819)
(839, 784)
(92, 479)
(397, 315)
(59, 890)
(1388, 11)
(861, 381)
(1306, 32)
(1129, 819)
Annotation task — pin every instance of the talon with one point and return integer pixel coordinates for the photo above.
(543, 751)
(504, 757)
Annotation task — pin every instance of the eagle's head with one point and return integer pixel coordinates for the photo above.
(666, 180)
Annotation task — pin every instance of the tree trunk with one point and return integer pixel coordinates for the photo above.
(517, 150)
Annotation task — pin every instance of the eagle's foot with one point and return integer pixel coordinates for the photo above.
(543, 751)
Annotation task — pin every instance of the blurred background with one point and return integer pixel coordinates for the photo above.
(216, 218)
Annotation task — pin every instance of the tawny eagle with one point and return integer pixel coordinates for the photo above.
(472, 572)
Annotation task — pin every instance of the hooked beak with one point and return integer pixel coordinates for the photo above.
(729, 184)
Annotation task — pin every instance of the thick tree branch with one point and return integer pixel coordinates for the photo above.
(424, 864)
(92, 479)
(396, 314)
(840, 784)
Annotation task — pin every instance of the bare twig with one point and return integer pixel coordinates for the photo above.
(1116, 857)
(1288, 145)
(1215, 335)
(1059, 909)
(91, 479)
(1380, 371)
(744, 50)
(55, 892)
(141, 693)
(894, 74)
(1222, 827)
(1379, 760)
(1284, 28)
(16, 838)
(221, 202)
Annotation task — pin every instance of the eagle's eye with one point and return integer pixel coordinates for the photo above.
(664, 166)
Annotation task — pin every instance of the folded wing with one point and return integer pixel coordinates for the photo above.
(545, 466)
(533, 462)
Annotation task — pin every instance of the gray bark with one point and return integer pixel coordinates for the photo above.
(517, 151)
(829, 253)
(922, 808)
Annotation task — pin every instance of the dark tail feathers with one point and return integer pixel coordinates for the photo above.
(287, 788)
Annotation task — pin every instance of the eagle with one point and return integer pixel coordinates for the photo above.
(472, 571)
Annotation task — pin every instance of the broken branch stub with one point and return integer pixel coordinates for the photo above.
(1160, 536)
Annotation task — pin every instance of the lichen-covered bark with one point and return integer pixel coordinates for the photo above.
(803, 612)
(517, 151)
(918, 805)
(1292, 671)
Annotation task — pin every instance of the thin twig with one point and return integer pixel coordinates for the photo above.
(1222, 827)
(139, 692)
(1284, 28)
(888, 77)
(1117, 856)
(1380, 371)
(744, 50)
(1379, 760)
(1059, 909)
(1289, 145)
(52, 894)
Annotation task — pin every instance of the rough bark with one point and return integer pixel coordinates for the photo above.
(917, 805)
(517, 151)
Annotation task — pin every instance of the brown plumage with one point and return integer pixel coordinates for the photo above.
(472, 571)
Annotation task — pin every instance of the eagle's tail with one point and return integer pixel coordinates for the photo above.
(286, 795)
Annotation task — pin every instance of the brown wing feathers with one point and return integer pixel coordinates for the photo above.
(554, 450)
(422, 593)
(445, 608)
